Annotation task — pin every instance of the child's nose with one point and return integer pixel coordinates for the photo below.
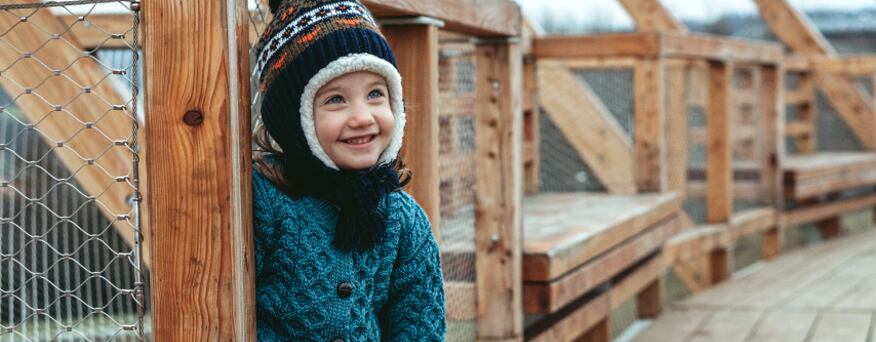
(361, 116)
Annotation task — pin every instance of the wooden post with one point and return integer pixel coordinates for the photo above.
(773, 153)
(650, 138)
(649, 302)
(719, 173)
(498, 173)
(677, 126)
(601, 332)
(531, 127)
(721, 264)
(197, 88)
(806, 113)
(415, 43)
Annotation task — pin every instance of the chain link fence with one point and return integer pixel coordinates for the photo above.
(72, 266)
(456, 163)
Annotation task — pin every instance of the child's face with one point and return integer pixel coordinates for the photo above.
(353, 119)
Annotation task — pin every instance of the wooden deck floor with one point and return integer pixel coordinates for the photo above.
(825, 292)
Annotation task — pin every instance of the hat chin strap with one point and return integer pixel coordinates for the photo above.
(345, 65)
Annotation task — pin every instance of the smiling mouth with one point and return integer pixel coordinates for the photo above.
(359, 140)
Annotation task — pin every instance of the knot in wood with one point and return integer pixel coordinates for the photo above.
(193, 118)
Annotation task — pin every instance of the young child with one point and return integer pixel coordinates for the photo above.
(341, 252)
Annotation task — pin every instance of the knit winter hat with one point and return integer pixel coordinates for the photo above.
(307, 44)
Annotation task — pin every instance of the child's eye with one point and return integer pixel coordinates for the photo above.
(375, 94)
(334, 100)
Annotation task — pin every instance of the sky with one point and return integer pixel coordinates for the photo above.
(610, 12)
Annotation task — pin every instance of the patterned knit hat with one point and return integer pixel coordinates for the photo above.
(309, 43)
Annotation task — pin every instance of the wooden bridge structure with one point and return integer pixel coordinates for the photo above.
(541, 265)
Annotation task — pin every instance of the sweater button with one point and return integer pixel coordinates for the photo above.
(345, 289)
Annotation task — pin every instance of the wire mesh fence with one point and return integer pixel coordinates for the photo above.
(71, 247)
(456, 162)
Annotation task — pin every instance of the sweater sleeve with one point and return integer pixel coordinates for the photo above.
(415, 308)
(264, 220)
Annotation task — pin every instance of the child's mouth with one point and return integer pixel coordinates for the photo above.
(358, 141)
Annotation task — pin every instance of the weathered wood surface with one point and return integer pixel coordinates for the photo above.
(824, 292)
(653, 45)
(649, 112)
(203, 276)
(499, 184)
(699, 241)
(651, 16)
(566, 230)
(810, 175)
(487, 18)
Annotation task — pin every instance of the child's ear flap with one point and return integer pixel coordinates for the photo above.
(274, 5)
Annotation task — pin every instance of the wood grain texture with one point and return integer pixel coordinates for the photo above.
(84, 127)
(651, 16)
(646, 45)
(649, 111)
(567, 230)
(677, 127)
(416, 50)
(793, 28)
(483, 18)
(719, 175)
(772, 124)
(202, 279)
(499, 184)
(588, 126)
(807, 176)
(541, 297)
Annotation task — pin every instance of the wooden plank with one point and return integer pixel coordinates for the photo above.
(716, 48)
(842, 326)
(482, 18)
(574, 323)
(721, 264)
(795, 63)
(416, 50)
(81, 127)
(676, 128)
(848, 66)
(499, 187)
(826, 172)
(772, 124)
(567, 230)
(742, 190)
(531, 128)
(651, 16)
(592, 63)
(700, 240)
(783, 326)
(644, 283)
(719, 175)
(597, 45)
(771, 244)
(203, 281)
(540, 297)
(793, 28)
(589, 128)
(675, 325)
(650, 164)
(726, 326)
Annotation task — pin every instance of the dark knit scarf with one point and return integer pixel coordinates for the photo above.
(357, 194)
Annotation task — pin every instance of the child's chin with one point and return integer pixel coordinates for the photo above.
(359, 164)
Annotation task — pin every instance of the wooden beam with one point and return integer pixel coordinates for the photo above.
(799, 35)
(651, 16)
(597, 45)
(823, 211)
(793, 28)
(652, 45)
(198, 103)
(650, 164)
(416, 51)
(676, 127)
(773, 141)
(701, 240)
(848, 66)
(498, 84)
(81, 126)
(588, 126)
(481, 18)
(719, 175)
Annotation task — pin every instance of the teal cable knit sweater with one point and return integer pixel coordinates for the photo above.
(306, 289)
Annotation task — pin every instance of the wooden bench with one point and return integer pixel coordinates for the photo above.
(810, 175)
(585, 254)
